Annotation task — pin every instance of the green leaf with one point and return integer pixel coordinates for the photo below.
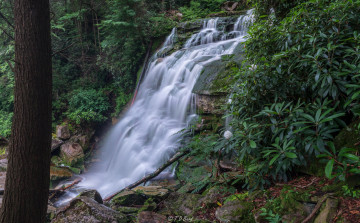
(274, 159)
(329, 168)
(351, 156)
(290, 155)
(332, 117)
(308, 117)
(252, 144)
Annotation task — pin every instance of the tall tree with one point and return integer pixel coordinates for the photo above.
(27, 180)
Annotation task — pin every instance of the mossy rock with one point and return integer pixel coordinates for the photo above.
(150, 217)
(235, 211)
(93, 194)
(128, 198)
(85, 210)
(139, 196)
(314, 168)
(349, 136)
(190, 170)
(293, 208)
(180, 204)
(59, 173)
(211, 196)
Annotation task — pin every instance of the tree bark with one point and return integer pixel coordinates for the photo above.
(28, 173)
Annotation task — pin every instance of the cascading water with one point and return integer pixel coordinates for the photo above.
(147, 136)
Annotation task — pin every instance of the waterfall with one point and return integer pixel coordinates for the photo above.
(147, 135)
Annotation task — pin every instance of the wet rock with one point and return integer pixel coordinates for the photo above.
(55, 144)
(86, 210)
(62, 132)
(93, 194)
(3, 164)
(178, 204)
(151, 217)
(235, 211)
(71, 153)
(59, 173)
(328, 213)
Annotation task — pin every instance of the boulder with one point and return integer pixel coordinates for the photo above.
(86, 210)
(82, 140)
(235, 211)
(211, 196)
(139, 196)
(181, 204)
(151, 217)
(59, 173)
(55, 144)
(71, 153)
(93, 194)
(62, 132)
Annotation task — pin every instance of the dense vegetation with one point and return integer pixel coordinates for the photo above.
(298, 87)
(98, 49)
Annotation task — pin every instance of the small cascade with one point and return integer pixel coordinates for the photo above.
(148, 134)
(170, 40)
(208, 34)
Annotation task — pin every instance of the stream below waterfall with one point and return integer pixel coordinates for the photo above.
(148, 133)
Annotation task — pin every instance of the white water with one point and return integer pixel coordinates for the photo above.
(147, 135)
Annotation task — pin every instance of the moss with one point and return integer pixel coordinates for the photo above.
(149, 205)
(235, 197)
(236, 211)
(59, 173)
(333, 187)
(349, 136)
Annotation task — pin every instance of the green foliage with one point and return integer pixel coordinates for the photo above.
(87, 106)
(299, 80)
(5, 123)
(270, 216)
(200, 8)
(350, 192)
(280, 7)
(121, 100)
(340, 163)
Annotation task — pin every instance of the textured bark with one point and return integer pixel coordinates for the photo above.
(28, 173)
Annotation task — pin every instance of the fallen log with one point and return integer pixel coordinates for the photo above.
(317, 207)
(173, 159)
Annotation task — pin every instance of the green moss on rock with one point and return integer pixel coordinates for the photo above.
(349, 136)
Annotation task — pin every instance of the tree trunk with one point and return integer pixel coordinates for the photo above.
(28, 173)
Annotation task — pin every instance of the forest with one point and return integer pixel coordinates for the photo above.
(180, 111)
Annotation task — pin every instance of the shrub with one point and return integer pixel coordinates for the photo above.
(299, 80)
(87, 106)
(5, 124)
